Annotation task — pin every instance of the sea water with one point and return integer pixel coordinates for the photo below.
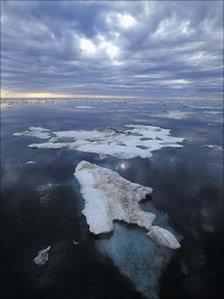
(41, 205)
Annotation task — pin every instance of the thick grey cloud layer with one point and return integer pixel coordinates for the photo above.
(153, 49)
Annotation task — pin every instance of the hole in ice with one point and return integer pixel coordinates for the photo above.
(142, 147)
(165, 143)
(146, 138)
(135, 134)
(65, 139)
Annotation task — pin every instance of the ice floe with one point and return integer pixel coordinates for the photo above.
(42, 256)
(214, 146)
(31, 162)
(49, 145)
(130, 142)
(173, 114)
(213, 112)
(212, 124)
(109, 197)
(103, 156)
(38, 132)
(75, 242)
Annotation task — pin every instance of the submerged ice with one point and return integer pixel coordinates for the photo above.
(137, 257)
(109, 197)
(133, 141)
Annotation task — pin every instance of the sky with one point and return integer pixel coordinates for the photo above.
(144, 49)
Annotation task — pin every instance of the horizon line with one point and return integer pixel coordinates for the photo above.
(48, 95)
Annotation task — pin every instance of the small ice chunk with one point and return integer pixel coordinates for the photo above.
(42, 256)
(163, 237)
(103, 156)
(214, 146)
(31, 162)
(75, 242)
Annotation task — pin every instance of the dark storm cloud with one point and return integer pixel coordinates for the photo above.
(153, 49)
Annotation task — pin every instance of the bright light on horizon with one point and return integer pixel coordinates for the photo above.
(44, 95)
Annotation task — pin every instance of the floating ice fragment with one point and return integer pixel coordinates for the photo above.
(75, 242)
(42, 256)
(108, 196)
(38, 132)
(213, 112)
(214, 146)
(173, 114)
(31, 162)
(163, 237)
(48, 145)
(103, 156)
(40, 129)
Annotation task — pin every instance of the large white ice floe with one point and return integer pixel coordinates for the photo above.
(42, 256)
(109, 197)
(133, 141)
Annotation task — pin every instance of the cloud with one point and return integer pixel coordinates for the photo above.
(151, 49)
(87, 46)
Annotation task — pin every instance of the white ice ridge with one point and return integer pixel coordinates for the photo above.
(134, 141)
(42, 256)
(108, 197)
(38, 132)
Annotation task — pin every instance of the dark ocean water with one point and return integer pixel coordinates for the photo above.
(41, 205)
